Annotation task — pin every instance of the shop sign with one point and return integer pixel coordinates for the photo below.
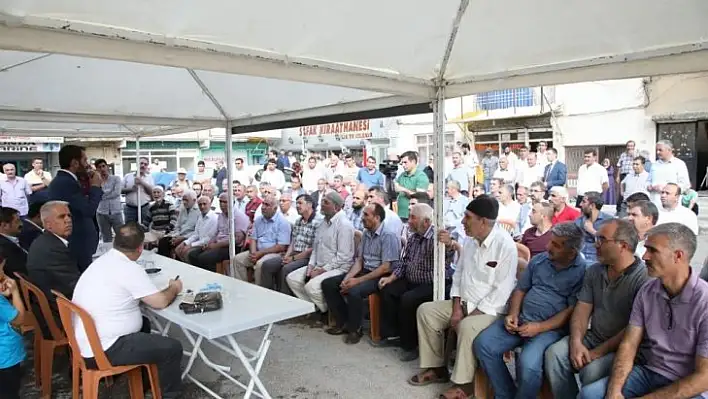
(351, 130)
(29, 147)
(26, 139)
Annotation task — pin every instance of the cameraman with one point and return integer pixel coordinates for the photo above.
(412, 180)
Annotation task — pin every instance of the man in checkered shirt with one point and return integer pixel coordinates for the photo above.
(624, 167)
(274, 271)
(411, 284)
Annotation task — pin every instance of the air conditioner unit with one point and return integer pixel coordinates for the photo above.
(204, 144)
(123, 144)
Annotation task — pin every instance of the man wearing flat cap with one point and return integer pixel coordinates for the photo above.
(481, 285)
(332, 253)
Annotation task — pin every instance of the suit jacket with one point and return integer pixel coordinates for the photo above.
(84, 237)
(28, 234)
(15, 257)
(315, 200)
(557, 176)
(51, 266)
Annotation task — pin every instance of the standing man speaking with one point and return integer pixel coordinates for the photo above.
(412, 180)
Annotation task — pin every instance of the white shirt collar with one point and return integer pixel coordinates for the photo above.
(65, 242)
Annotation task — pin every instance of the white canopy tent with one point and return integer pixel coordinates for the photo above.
(161, 66)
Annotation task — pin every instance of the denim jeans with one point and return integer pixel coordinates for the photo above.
(131, 213)
(641, 381)
(561, 373)
(109, 224)
(489, 349)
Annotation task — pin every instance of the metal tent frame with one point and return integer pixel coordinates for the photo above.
(312, 63)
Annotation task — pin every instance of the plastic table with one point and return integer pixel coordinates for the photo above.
(246, 306)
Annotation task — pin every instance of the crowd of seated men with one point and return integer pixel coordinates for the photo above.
(649, 336)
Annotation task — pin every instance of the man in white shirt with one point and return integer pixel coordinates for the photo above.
(671, 210)
(591, 177)
(508, 208)
(666, 169)
(335, 168)
(38, 179)
(481, 285)
(470, 157)
(273, 175)
(644, 215)
(204, 231)
(531, 172)
(505, 172)
(635, 182)
(14, 190)
(111, 290)
(240, 173)
(311, 175)
(287, 208)
(350, 170)
(137, 188)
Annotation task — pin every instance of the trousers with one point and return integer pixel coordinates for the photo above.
(274, 272)
(433, 319)
(10, 382)
(109, 224)
(348, 313)
(242, 263)
(641, 381)
(207, 259)
(489, 349)
(561, 374)
(143, 347)
(399, 303)
(311, 290)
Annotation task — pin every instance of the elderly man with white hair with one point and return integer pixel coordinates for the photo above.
(270, 238)
(666, 169)
(411, 283)
(562, 211)
(186, 223)
(217, 249)
(286, 207)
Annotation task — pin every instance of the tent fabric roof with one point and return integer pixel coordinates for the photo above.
(152, 67)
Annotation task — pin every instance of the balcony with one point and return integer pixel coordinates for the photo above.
(509, 103)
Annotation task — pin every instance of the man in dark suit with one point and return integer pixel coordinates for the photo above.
(556, 173)
(65, 187)
(31, 226)
(10, 226)
(50, 263)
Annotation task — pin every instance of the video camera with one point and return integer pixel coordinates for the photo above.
(389, 168)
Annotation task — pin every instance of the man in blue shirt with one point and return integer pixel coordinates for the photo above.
(590, 221)
(269, 239)
(539, 309)
(370, 176)
(377, 256)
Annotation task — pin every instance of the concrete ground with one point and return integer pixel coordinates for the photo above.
(305, 363)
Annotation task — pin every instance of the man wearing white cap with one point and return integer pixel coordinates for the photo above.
(181, 180)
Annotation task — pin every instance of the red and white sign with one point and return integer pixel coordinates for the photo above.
(359, 129)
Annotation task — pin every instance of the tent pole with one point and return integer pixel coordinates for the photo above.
(137, 173)
(439, 152)
(230, 191)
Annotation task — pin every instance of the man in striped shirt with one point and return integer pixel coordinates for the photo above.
(411, 284)
(161, 218)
